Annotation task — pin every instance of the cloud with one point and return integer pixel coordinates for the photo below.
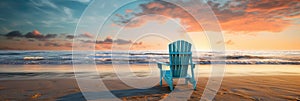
(14, 34)
(151, 10)
(35, 34)
(264, 15)
(50, 15)
(83, 1)
(48, 36)
(68, 12)
(86, 35)
(138, 43)
(69, 36)
(55, 12)
(40, 42)
(122, 41)
(68, 44)
(52, 44)
(42, 3)
(141, 21)
(126, 11)
(109, 40)
(236, 15)
(229, 42)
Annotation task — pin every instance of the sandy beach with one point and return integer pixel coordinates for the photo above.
(246, 88)
(239, 83)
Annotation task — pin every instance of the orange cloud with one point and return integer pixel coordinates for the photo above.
(86, 35)
(36, 32)
(155, 5)
(128, 11)
(150, 12)
(264, 15)
(229, 42)
(253, 24)
(236, 16)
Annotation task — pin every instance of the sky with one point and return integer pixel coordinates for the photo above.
(149, 24)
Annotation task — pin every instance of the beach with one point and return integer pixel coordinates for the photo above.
(240, 82)
(150, 50)
(246, 88)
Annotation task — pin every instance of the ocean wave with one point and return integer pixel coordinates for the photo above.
(33, 58)
(105, 57)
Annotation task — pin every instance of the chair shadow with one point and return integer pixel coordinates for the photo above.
(124, 91)
(156, 90)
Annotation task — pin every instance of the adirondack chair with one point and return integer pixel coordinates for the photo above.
(180, 59)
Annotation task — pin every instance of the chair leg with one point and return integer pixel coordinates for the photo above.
(160, 82)
(161, 77)
(170, 83)
(194, 84)
(161, 74)
(171, 86)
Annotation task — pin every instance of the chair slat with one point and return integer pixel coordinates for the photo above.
(180, 54)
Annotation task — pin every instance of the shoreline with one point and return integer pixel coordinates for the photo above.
(132, 71)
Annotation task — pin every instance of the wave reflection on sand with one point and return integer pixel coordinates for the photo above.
(139, 70)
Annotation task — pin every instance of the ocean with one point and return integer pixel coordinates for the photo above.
(8, 57)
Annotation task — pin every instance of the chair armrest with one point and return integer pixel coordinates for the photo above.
(162, 63)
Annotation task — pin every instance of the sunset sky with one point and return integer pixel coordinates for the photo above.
(246, 25)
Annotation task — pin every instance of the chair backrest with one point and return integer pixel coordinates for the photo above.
(180, 57)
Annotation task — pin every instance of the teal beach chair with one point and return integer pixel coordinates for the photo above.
(180, 60)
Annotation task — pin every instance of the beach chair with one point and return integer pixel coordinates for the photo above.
(180, 60)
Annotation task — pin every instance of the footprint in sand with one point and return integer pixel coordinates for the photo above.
(243, 90)
(223, 91)
(1, 87)
(36, 95)
(298, 99)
